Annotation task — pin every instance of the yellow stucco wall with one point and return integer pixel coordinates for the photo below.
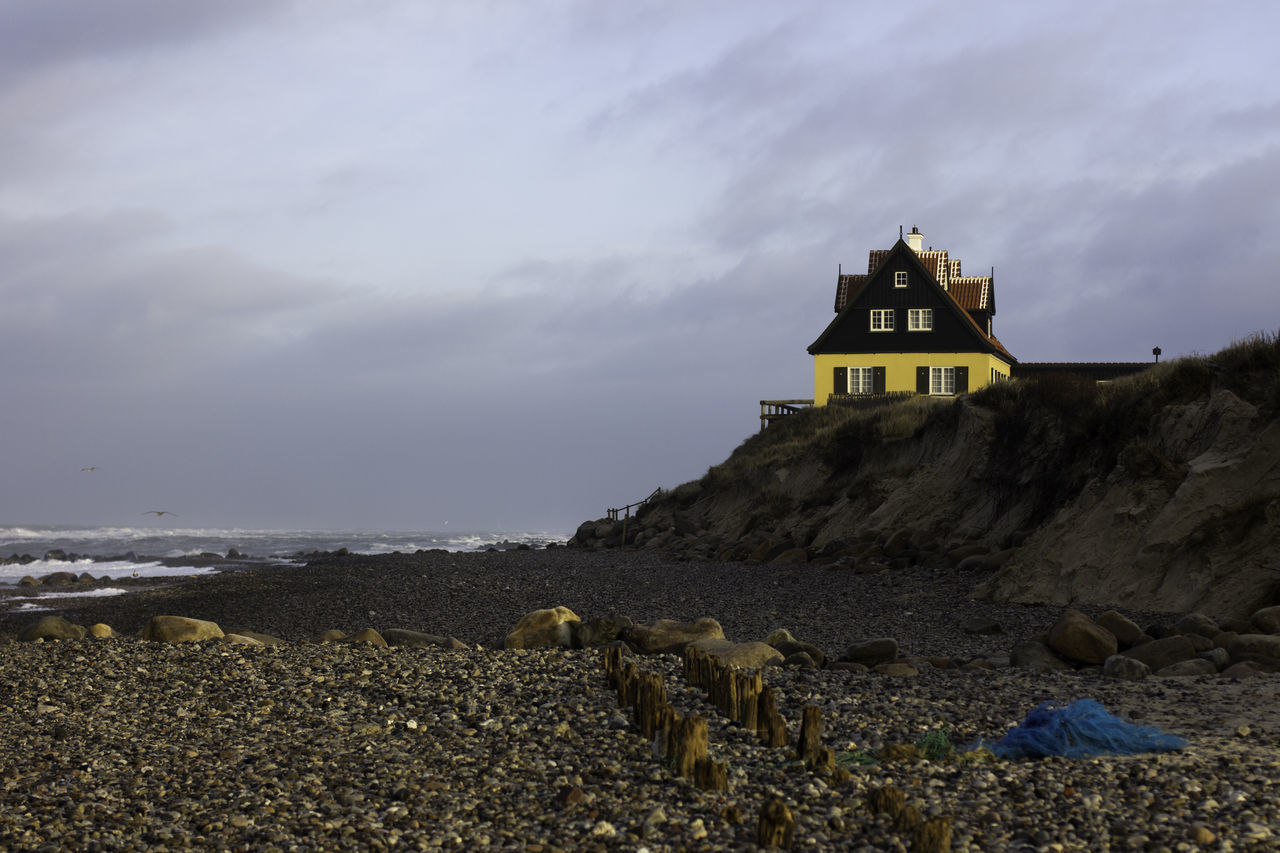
(900, 368)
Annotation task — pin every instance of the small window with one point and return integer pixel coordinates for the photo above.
(920, 320)
(882, 319)
(860, 380)
(900, 279)
(942, 380)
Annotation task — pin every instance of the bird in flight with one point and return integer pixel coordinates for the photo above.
(159, 512)
(90, 469)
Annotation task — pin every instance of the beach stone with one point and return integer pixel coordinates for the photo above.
(333, 635)
(871, 652)
(370, 636)
(542, 629)
(264, 639)
(1224, 639)
(751, 655)
(58, 578)
(1076, 637)
(1243, 669)
(1260, 648)
(782, 635)
(1218, 656)
(794, 647)
(849, 666)
(241, 640)
(53, 628)
(599, 631)
(1158, 654)
(1198, 624)
(901, 668)
(1266, 620)
(670, 635)
(1033, 654)
(982, 626)
(180, 629)
(1125, 668)
(1127, 632)
(418, 640)
(101, 631)
(800, 660)
(28, 580)
(1194, 666)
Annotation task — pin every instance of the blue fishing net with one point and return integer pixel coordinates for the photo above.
(1077, 730)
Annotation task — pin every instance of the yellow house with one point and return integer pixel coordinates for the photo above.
(912, 324)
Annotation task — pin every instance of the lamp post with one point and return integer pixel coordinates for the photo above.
(1156, 352)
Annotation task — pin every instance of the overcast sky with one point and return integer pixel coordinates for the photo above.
(389, 264)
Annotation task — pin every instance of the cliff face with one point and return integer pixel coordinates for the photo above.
(1160, 492)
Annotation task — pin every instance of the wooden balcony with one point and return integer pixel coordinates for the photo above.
(771, 410)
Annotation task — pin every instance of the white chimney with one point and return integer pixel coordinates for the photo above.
(915, 240)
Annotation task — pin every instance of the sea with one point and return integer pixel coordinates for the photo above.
(120, 552)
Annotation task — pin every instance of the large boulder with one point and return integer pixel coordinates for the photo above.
(53, 628)
(600, 631)
(1198, 624)
(418, 640)
(1125, 668)
(753, 655)
(670, 635)
(1166, 651)
(1076, 637)
(1259, 648)
(370, 636)
(1033, 654)
(180, 629)
(1183, 668)
(871, 652)
(1266, 620)
(1127, 632)
(542, 629)
(263, 639)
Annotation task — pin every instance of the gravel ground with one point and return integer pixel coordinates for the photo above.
(122, 744)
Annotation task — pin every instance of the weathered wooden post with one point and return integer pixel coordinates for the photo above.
(809, 744)
(687, 744)
(777, 826)
(770, 726)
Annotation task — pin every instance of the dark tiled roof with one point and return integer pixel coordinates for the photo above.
(971, 293)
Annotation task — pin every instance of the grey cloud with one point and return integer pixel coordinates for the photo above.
(37, 36)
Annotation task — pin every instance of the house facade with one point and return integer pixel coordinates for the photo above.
(912, 324)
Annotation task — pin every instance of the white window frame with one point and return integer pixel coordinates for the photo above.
(919, 319)
(942, 381)
(863, 384)
(900, 278)
(882, 319)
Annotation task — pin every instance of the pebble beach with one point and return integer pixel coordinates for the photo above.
(125, 744)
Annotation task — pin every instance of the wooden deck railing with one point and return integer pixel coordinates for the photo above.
(613, 513)
(771, 410)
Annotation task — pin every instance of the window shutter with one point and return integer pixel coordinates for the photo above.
(840, 381)
(922, 380)
(877, 380)
(962, 380)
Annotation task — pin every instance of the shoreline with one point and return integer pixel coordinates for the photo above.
(350, 746)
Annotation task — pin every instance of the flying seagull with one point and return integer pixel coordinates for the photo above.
(90, 468)
(159, 512)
